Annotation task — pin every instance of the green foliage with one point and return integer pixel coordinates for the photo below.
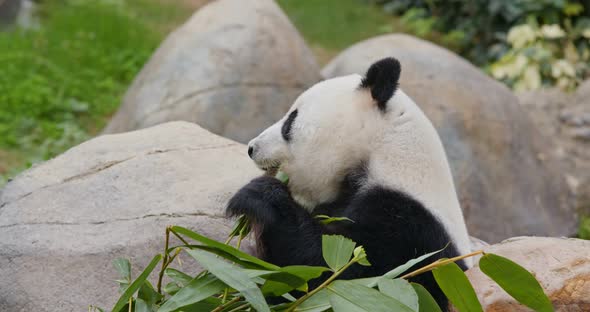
(516, 281)
(584, 228)
(60, 83)
(456, 287)
(235, 281)
(548, 54)
(482, 25)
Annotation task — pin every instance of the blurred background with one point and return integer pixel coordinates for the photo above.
(65, 65)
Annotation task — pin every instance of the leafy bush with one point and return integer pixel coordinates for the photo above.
(482, 25)
(236, 281)
(59, 83)
(546, 55)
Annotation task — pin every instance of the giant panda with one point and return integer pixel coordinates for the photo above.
(355, 147)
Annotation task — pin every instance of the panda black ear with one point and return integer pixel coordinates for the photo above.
(382, 79)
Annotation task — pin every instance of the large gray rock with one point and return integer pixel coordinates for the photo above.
(234, 68)
(63, 222)
(9, 10)
(506, 187)
(564, 118)
(561, 265)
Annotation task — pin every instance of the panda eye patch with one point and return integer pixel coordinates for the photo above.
(286, 129)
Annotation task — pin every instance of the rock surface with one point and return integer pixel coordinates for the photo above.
(62, 223)
(561, 265)
(506, 187)
(9, 10)
(565, 119)
(233, 68)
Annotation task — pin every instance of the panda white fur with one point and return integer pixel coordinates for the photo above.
(356, 147)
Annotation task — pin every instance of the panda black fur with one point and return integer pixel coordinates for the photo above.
(355, 147)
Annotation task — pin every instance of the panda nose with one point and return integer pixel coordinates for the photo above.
(250, 151)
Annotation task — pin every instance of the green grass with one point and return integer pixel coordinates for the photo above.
(60, 84)
(336, 24)
(330, 26)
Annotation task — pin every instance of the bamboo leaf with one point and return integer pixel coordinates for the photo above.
(400, 290)
(516, 281)
(426, 302)
(337, 250)
(455, 285)
(198, 289)
(124, 299)
(233, 276)
(404, 267)
(348, 296)
(223, 247)
(316, 303)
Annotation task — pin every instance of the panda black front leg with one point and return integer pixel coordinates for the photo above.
(286, 234)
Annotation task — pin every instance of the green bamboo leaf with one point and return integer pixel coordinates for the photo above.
(400, 290)
(289, 278)
(317, 303)
(223, 247)
(455, 285)
(148, 294)
(198, 289)
(325, 219)
(241, 227)
(171, 288)
(233, 276)
(123, 267)
(404, 267)
(516, 281)
(142, 306)
(349, 296)
(426, 302)
(337, 250)
(124, 299)
(208, 304)
(283, 177)
(179, 277)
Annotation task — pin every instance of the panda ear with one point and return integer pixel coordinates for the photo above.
(382, 79)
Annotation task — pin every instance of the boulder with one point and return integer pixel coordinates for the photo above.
(233, 68)
(506, 186)
(9, 10)
(64, 221)
(564, 118)
(561, 265)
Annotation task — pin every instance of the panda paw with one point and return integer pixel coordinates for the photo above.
(264, 200)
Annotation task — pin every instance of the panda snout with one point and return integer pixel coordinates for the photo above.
(250, 151)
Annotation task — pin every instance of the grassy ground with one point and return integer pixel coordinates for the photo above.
(59, 84)
(332, 25)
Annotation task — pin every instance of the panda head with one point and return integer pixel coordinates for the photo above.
(329, 131)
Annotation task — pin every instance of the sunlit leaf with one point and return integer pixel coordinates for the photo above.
(337, 250)
(226, 248)
(233, 276)
(404, 267)
(179, 277)
(456, 287)
(349, 296)
(123, 300)
(317, 303)
(198, 289)
(400, 290)
(426, 302)
(516, 281)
